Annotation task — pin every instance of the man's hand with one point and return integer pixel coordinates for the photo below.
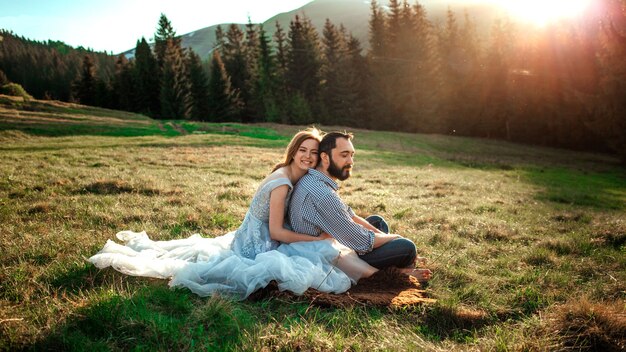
(382, 238)
(325, 236)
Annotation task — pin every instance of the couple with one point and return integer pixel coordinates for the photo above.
(323, 245)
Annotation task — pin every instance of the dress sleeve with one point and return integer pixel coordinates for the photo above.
(337, 221)
(279, 182)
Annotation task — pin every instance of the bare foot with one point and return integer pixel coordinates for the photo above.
(422, 275)
(420, 260)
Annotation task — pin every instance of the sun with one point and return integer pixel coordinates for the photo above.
(542, 12)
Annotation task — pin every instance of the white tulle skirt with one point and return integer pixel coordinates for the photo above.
(208, 266)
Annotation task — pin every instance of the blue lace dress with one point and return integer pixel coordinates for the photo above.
(235, 264)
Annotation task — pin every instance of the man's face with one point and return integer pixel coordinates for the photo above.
(341, 159)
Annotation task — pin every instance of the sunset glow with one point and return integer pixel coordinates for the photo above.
(542, 12)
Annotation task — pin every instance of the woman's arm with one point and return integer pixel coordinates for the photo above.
(383, 238)
(380, 237)
(359, 220)
(277, 219)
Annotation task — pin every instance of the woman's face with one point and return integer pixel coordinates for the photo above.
(306, 156)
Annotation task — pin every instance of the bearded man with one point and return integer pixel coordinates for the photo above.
(316, 208)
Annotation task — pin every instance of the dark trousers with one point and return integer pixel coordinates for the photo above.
(400, 252)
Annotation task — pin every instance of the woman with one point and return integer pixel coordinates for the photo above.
(263, 227)
(259, 251)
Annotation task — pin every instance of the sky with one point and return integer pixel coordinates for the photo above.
(116, 25)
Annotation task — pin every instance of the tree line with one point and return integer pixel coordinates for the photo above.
(562, 85)
(46, 69)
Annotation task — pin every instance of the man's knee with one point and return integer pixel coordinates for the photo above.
(378, 222)
(407, 247)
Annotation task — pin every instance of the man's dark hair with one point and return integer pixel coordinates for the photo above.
(329, 142)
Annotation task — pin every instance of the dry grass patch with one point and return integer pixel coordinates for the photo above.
(571, 217)
(40, 208)
(539, 257)
(583, 325)
(559, 246)
(499, 232)
(611, 234)
(108, 187)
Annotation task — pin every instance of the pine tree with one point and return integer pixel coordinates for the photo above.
(146, 78)
(463, 101)
(449, 37)
(452, 75)
(105, 96)
(224, 103)
(377, 33)
(281, 48)
(394, 28)
(495, 104)
(344, 75)
(266, 87)
(251, 46)
(198, 88)
(423, 74)
(333, 76)
(236, 64)
(123, 85)
(219, 38)
(404, 79)
(85, 86)
(281, 92)
(174, 95)
(380, 88)
(303, 69)
(175, 100)
(356, 80)
(165, 32)
(251, 50)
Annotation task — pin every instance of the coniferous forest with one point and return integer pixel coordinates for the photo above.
(563, 85)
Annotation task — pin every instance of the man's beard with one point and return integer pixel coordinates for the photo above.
(334, 170)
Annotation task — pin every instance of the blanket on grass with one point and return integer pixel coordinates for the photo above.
(386, 288)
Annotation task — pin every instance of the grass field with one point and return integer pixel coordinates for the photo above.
(527, 244)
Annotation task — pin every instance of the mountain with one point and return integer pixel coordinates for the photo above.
(353, 14)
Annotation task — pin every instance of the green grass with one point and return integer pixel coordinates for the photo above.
(521, 239)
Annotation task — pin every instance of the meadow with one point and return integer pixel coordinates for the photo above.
(527, 244)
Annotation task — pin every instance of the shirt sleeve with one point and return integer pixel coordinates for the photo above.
(350, 212)
(337, 221)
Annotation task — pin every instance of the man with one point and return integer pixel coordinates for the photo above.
(315, 208)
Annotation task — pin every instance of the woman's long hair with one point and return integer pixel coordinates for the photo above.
(292, 148)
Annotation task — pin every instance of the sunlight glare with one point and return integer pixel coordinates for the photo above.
(541, 12)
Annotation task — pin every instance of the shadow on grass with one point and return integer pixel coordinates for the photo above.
(152, 318)
(605, 191)
(80, 277)
(113, 187)
(442, 322)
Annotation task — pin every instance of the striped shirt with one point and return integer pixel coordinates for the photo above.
(315, 207)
